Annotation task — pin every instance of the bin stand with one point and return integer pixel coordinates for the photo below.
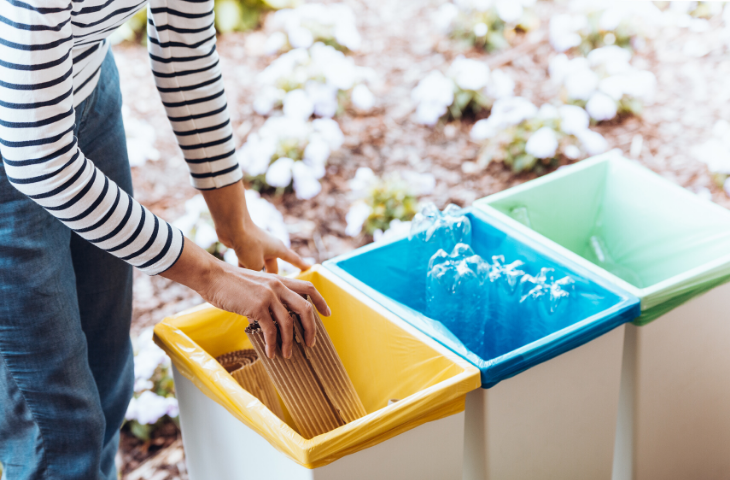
(556, 420)
(218, 446)
(676, 410)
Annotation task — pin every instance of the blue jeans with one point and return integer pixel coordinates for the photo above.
(66, 363)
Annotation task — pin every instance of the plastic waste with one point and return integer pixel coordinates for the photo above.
(541, 298)
(592, 307)
(454, 293)
(502, 283)
(485, 305)
(560, 293)
(493, 305)
(441, 229)
(433, 230)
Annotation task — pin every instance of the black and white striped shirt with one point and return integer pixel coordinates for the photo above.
(50, 57)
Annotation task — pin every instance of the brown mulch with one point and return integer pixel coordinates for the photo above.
(159, 458)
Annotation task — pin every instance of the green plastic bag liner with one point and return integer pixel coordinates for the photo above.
(651, 237)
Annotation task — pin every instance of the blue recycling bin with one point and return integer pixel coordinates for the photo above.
(548, 405)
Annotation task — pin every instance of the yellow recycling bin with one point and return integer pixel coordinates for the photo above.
(230, 435)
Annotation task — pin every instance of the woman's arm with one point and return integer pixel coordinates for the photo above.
(254, 247)
(182, 47)
(186, 68)
(40, 153)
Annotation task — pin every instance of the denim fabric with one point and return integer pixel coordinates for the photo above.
(66, 366)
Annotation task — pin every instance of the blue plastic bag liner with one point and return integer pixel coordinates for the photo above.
(393, 275)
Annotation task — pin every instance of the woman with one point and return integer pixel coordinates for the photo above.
(70, 230)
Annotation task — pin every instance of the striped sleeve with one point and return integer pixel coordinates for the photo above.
(40, 153)
(185, 64)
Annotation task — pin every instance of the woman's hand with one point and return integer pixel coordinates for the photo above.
(258, 296)
(254, 247)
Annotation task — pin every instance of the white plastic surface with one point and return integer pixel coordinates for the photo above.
(676, 394)
(219, 447)
(554, 421)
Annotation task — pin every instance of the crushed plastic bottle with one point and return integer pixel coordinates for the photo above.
(507, 277)
(432, 230)
(454, 293)
(560, 293)
(535, 287)
(534, 304)
(441, 229)
(494, 307)
(502, 288)
(545, 302)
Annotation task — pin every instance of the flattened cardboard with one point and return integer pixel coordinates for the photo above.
(249, 372)
(329, 369)
(312, 383)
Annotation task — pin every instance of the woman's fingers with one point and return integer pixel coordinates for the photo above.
(288, 255)
(256, 266)
(270, 332)
(306, 288)
(272, 266)
(286, 326)
(305, 311)
(270, 305)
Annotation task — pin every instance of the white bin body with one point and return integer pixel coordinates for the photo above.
(674, 421)
(555, 421)
(219, 447)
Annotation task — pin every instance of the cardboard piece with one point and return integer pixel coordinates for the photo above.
(249, 372)
(312, 383)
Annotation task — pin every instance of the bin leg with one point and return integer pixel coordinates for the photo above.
(623, 450)
(554, 421)
(682, 424)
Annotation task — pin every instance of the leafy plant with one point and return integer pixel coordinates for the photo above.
(301, 27)
(604, 82)
(525, 138)
(243, 15)
(382, 201)
(290, 152)
(467, 87)
(486, 25)
(389, 201)
(318, 81)
(622, 24)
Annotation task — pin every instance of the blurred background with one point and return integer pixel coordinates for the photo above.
(349, 115)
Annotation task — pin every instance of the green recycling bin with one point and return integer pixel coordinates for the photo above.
(671, 249)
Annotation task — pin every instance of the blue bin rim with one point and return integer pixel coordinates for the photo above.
(519, 360)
